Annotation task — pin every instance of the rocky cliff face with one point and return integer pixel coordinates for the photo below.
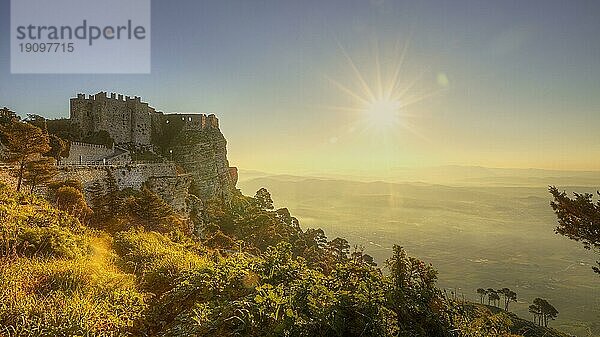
(161, 179)
(203, 154)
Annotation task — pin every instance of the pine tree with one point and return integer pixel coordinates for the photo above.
(542, 310)
(482, 293)
(39, 172)
(150, 211)
(578, 219)
(59, 148)
(263, 199)
(24, 143)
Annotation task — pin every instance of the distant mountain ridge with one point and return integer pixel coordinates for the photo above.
(453, 175)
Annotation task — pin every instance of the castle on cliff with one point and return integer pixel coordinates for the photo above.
(128, 120)
(190, 148)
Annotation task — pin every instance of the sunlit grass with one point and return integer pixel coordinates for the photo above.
(66, 297)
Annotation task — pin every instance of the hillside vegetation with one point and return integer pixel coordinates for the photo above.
(254, 272)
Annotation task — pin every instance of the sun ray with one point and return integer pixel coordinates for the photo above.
(365, 87)
(340, 108)
(348, 91)
(384, 101)
(378, 71)
(412, 83)
(414, 130)
(418, 98)
(396, 74)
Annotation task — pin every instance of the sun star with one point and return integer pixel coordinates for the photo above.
(382, 113)
(382, 103)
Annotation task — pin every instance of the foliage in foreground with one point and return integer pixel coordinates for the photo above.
(140, 282)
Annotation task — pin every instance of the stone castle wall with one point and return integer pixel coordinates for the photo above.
(134, 176)
(191, 121)
(85, 153)
(161, 178)
(127, 119)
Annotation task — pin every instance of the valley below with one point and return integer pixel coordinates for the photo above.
(484, 232)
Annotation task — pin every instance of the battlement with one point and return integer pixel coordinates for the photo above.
(103, 95)
(91, 146)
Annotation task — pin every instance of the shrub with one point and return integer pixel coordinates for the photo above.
(51, 242)
(155, 258)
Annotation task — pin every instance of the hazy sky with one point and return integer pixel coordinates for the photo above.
(507, 83)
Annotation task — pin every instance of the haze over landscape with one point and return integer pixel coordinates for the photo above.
(479, 227)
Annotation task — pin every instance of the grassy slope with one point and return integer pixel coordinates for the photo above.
(59, 278)
(94, 292)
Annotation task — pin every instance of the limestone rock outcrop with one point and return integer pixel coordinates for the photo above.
(203, 154)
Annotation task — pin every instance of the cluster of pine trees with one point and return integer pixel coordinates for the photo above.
(493, 296)
(542, 311)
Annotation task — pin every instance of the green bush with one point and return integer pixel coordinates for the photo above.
(51, 242)
(156, 259)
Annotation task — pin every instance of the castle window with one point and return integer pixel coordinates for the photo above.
(167, 121)
(190, 119)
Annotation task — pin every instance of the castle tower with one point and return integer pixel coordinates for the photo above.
(127, 120)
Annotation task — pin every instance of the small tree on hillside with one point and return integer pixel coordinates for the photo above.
(59, 148)
(97, 193)
(509, 296)
(53, 187)
(24, 143)
(107, 203)
(339, 248)
(578, 218)
(7, 116)
(413, 296)
(38, 121)
(263, 199)
(358, 255)
(72, 201)
(489, 292)
(317, 237)
(482, 293)
(494, 297)
(536, 310)
(542, 311)
(150, 211)
(39, 172)
(549, 312)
